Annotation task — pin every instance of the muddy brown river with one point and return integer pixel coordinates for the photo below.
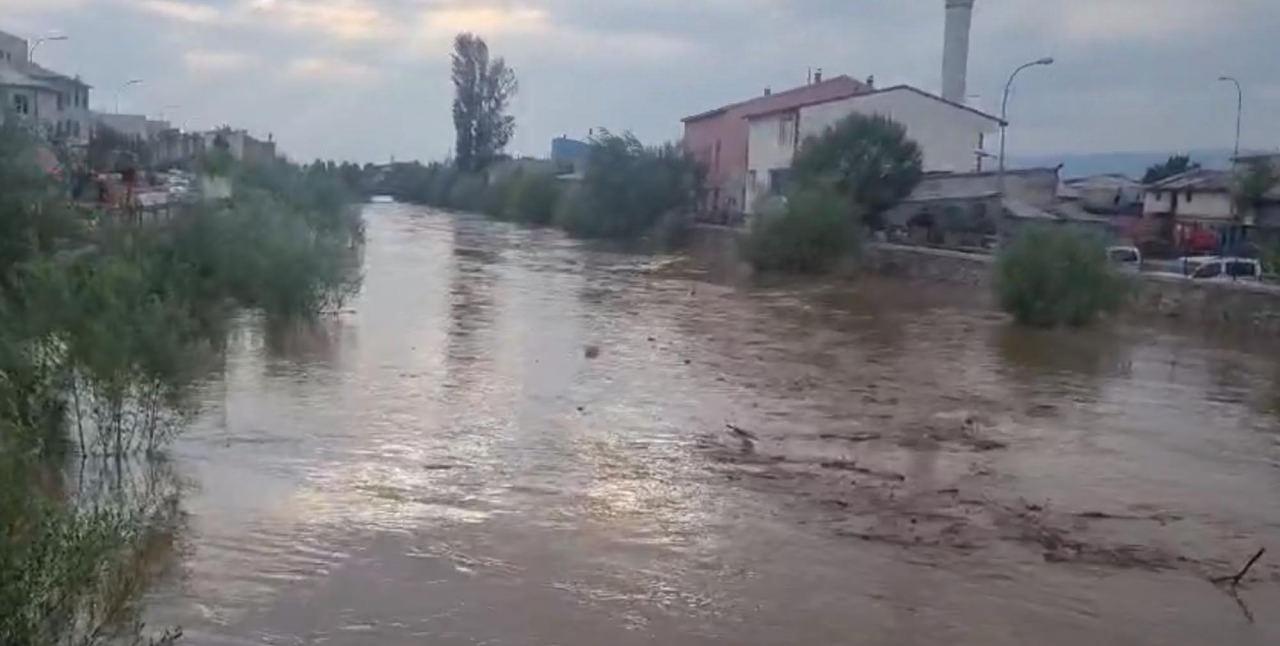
(875, 462)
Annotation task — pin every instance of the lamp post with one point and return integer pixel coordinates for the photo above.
(122, 88)
(1239, 113)
(31, 53)
(1004, 112)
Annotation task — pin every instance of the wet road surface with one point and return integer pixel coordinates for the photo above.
(870, 463)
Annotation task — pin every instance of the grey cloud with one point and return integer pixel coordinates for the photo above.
(643, 65)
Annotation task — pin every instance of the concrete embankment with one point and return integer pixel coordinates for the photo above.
(1252, 305)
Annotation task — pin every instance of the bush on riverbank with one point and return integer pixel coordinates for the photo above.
(809, 234)
(104, 329)
(106, 325)
(627, 188)
(1050, 276)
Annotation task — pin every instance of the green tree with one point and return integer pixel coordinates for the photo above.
(1174, 165)
(482, 90)
(1051, 276)
(1252, 184)
(868, 159)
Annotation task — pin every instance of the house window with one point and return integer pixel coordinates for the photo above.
(21, 104)
(62, 102)
(716, 163)
(1188, 197)
(778, 180)
(786, 127)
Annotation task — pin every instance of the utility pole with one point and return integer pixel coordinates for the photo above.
(1239, 113)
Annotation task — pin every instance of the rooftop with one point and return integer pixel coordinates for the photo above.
(10, 75)
(42, 72)
(836, 87)
(768, 111)
(1200, 179)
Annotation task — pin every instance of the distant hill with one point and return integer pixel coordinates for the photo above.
(1133, 164)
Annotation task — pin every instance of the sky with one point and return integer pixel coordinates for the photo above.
(368, 80)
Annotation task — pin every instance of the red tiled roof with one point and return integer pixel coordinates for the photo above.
(838, 87)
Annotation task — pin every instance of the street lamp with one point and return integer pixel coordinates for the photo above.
(122, 88)
(31, 53)
(1004, 111)
(1239, 112)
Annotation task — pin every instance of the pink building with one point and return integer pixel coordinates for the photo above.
(718, 138)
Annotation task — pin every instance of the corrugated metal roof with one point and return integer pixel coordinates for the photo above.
(1200, 179)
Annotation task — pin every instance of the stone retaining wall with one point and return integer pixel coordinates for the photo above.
(1249, 304)
(1238, 304)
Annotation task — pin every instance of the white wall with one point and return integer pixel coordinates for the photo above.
(129, 125)
(947, 134)
(1202, 206)
(767, 151)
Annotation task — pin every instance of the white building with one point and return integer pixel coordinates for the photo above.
(951, 136)
(1196, 196)
(134, 126)
(57, 104)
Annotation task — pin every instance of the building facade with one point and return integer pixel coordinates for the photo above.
(717, 139)
(242, 146)
(951, 136)
(56, 104)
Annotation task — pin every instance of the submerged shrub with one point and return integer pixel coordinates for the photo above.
(1051, 276)
(808, 234)
(532, 198)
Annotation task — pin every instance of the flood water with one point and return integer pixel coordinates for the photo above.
(442, 463)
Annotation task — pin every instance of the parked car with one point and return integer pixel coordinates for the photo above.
(1219, 268)
(1126, 258)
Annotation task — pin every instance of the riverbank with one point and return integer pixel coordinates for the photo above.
(1241, 304)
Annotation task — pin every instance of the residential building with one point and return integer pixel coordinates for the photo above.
(569, 155)
(173, 147)
(717, 138)
(951, 136)
(966, 209)
(242, 146)
(1110, 194)
(1194, 212)
(134, 126)
(57, 104)
(1196, 196)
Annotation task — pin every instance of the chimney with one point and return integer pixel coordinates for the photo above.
(817, 76)
(871, 81)
(955, 52)
(768, 91)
